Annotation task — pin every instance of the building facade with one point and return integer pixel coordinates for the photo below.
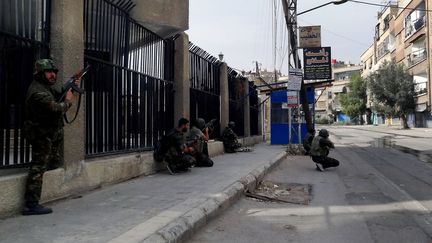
(328, 107)
(402, 34)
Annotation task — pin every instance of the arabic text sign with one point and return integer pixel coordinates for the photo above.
(310, 36)
(294, 79)
(317, 63)
(292, 98)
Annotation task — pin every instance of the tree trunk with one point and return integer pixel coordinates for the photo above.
(404, 121)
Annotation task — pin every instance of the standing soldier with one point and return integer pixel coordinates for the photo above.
(229, 139)
(43, 128)
(320, 149)
(178, 156)
(199, 134)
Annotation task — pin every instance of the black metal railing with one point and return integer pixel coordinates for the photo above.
(236, 93)
(205, 86)
(254, 109)
(24, 37)
(129, 90)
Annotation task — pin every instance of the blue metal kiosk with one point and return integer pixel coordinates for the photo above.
(279, 117)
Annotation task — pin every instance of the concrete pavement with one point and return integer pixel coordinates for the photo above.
(378, 194)
(157, 208)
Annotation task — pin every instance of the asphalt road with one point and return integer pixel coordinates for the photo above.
(378, 194)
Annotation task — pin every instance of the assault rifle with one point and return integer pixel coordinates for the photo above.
(210, 125)
(70, 84)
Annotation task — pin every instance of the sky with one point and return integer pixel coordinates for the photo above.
(243, 30)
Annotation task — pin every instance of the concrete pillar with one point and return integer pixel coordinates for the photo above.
(246, 105)
(224, 96)
(67, 50)
(181, 78)
(260, 114)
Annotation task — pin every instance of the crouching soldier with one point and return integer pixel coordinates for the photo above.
(229, 138)
(178, 156)
(320, 149)
(199, 136)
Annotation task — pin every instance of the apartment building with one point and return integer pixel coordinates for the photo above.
(328, 105)
(402, 33)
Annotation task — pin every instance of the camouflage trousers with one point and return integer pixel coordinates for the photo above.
(231, 146)
(46, 155)
(180, 162)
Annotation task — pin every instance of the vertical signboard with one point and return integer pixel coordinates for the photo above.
(317, 63)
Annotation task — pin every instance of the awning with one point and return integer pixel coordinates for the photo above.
(339, 89)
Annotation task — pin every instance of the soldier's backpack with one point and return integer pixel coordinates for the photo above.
(160, 149)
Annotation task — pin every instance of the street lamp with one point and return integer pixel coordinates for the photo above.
(325, 4)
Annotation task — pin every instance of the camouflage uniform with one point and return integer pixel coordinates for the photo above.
(200, 148)
(175, 155)
(320, 149)
(230, 142)
(43, 128)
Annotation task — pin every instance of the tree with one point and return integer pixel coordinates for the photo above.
(392, 88)
(354, 102)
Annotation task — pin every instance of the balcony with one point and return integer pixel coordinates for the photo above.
(411, 27)
(416, 57)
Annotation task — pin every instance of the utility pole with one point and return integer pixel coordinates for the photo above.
(290, 11)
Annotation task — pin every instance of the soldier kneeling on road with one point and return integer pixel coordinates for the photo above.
(178, 155)
(199, 136)
(320, 149)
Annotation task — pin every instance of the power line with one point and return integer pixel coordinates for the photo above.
(338, 35)
(387, 5)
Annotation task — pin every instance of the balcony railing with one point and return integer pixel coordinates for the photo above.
(413, 27)
(417, 57)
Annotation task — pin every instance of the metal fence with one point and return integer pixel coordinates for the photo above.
(205, 86)
(129, 90)
(236, 93)
(24, 37)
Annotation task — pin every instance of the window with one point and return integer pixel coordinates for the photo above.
(415, 20)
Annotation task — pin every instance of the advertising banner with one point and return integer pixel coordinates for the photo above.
(317, 63)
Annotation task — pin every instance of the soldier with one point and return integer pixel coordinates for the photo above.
(43, 128)
(199, 136)
(307, 142)
(178, 156)
(229, 139)
(320, 149)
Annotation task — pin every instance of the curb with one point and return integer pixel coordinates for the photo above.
(183, 227)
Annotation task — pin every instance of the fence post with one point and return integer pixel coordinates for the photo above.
(246, 105)
(67, 50)
(224, 96)
(181, 78)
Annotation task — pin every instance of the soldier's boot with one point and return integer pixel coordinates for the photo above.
(36, 209)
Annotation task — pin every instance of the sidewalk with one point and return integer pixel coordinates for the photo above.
(157, 208)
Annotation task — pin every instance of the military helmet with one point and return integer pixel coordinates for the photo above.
(42, 65)
(323, 133)
(200, 123)
(231, 124)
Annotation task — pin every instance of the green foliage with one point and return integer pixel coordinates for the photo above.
(354, 102)
(392, 88)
